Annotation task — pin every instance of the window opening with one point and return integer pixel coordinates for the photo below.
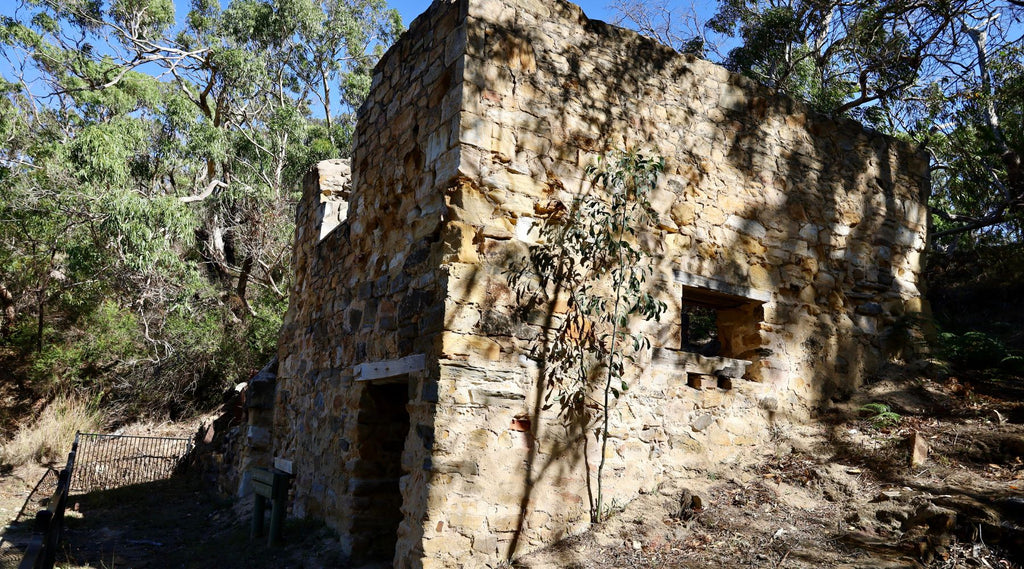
(700, 329)
(335, 185)
(724, 330)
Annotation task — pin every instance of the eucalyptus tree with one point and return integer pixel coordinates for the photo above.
(150, 164)
(590, 255)
(976, 138)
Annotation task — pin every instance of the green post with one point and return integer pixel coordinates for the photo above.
(269, 484)
(276, 522)
(279, 505)
(259, 506)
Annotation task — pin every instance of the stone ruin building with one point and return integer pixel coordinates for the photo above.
(407, 404)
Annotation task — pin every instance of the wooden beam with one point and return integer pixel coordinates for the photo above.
(389, 368)
(283, 465)
(697, 281)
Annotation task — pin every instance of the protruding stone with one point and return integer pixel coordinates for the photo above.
(702, 422)
(682, 213)
(918, 449)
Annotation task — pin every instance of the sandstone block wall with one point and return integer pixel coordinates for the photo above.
(803, 233)
(372, 289)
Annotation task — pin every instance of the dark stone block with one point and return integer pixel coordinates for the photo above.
(493, 323)
(406, 345)
(370, 487)
(345, 297)
(426, 434)
(400, 283)
(430, 391)
(370, 313)
(870, 309)
(380, 286)
(414, 303)
(432, 320)
(366, 290)
(355, 318)
(419, 254)
(260, 395)
(423, 344)
(388, 323)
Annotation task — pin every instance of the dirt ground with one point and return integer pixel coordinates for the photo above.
(842, 492)
(839, 492)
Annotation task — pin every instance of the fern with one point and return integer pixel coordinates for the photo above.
(880, 415)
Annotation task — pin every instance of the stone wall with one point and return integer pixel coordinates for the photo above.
(803, 233)
(370, 290)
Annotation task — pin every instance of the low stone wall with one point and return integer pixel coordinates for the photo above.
(803, 234)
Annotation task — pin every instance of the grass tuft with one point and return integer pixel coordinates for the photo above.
(49, 438)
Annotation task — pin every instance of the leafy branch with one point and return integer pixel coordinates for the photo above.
(590, 269)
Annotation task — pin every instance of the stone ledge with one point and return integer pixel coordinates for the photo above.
(696, 363)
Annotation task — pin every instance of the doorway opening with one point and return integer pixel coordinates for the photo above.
(382, 427)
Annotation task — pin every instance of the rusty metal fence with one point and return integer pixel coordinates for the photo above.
(96, 462)
(113, 461)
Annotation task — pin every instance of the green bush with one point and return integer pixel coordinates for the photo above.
(880, 415)
(75, 356)
(972, 350)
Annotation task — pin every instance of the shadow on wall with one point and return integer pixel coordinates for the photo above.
(813, 219)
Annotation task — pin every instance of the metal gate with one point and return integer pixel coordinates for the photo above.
(113, 461)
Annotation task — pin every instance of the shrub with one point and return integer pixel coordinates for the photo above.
(1013, 364)
(880, 415)
(973, 350)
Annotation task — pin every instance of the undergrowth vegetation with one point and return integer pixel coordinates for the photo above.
(976, 296)
(48, 438)
(880, 415)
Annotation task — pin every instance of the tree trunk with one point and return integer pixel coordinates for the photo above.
(7, 302)
(243, 283)
(39, 325)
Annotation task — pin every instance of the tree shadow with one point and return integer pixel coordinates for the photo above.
(817, 217)
(502, 114)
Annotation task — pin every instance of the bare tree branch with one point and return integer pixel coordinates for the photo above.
(213, 185)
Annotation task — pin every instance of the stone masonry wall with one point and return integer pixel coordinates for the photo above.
(805, 233)
(818, 222)
(370, 291)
